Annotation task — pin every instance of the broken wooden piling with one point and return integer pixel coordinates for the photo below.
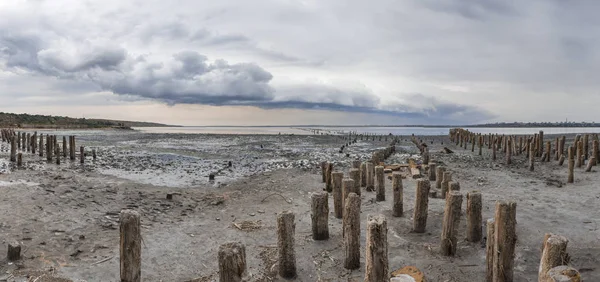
(130, 246)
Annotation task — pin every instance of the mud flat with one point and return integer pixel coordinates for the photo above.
(66, 216)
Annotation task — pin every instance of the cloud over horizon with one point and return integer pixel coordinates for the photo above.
(418, 61)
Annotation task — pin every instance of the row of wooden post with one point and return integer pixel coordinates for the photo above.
(533, 147)
(27, 142)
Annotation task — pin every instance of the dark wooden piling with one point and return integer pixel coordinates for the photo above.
(504, 241)
(286, 228)
(398, 190)
(380, 196)
(130, 246)
(320, 215)
(376, 254)
(474, 217)
(421, 206)
(351, 231)
(450, 223)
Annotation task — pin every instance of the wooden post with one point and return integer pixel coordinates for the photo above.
(41, 147)
(351, 226)
(232, 262)
(579, 160)
(571, 163)
(328, 178)
(355, 175)
(81, 154)
(421, 205)
(561, 160)
(553, 255)
(370, 177)
(445, 187)
(320, 214)
(380, 184)
(398, 189)
(557, 147)
(131, 246)
(27, 144)
(432, 171)
(64, 146)
(324, 171)
(57, 155)
(286, 227)
(480, 144)
(595, 152)
(450, 223)
(540, 143)
(531, 156)
(453, 186)
(13, 150)
(494, 146)
(590, 163)
(508, 151)
(33, 142)
(439, 177)
(548, 151)
(363, 174)
(563, 273)
(48, 147)
(14, 251)
(19, 140)
(376, 255)
(489, 250)
(585, 146)
(504, 241)
(72, 147)
(19, 159)
(338, 192)
(347, 188)
(474, 217)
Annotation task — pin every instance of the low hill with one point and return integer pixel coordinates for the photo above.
(43, 121)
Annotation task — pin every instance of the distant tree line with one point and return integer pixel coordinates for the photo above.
(44, 121)
(538, 124)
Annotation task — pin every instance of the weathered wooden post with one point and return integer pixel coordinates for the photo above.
(286, 228)
(508, 151)
(33, 142)
(548, 151)
(351, 226)
(57, 155)
(480, 144)
(590, 163)
(376, 254)
(13, 150)
(531, 156)
(504, 240)
(14, 251)
(370, 177)
(380, 196)
(19, 140)
(64, 146)
(450, 223)
(540, 144)
(445, 187)
(561, 160)
(328, 178)
(453, 186)
(363, 174)
(586, 138)
(81, 154)
(19, 159)
(232, 262)
(571, 164)
(579, 160)
(432, 172)
(323, 170)
(320, 215)
(41, 147)
(72, 148)
(338, 191)
(439, 177)
(48, 147)
(474, 217)
(355, 175)
(27, 142)
(557, 147)
(348, 187)
(489, 250)
(563, 273)
(130, 246)
(494, 150)
(553, 255)
(595, 152)
(398, 189)
(421, 205)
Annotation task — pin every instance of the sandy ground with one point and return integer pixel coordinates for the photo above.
(66, 217)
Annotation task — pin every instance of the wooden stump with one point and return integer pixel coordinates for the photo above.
(351, 231)
(41, 147)
(563, 273)
(450, 223)
(13, 150)
(363, 174)
(324, 171)
(130, 246)
(81, 154)
(328, 177)
(474, 218)
(579, 160)
(557, 147)
(432, 172)
(489, 250)
(347, 188)
(376, 254)
(585, 146)
(453, 186)
(553, 255)
(571, 163)
(447, 178)
(232, 262)
(356, 164)
(531, 156)
(355, 175)
(398, 189)
(19, 159)
(561, 160)
(14, 251)
(57, 152)
(508, 151)
(439, 176)
(286, 228)
(370, 177)
(540, 143)
(421, 205)
(504, 241)
(590, 163)
(338, 194)
(64, 146)
(380, 184)
(320, 215)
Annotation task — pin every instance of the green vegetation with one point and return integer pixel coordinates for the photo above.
(42, 121)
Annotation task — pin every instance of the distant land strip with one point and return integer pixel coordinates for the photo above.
(60, 122)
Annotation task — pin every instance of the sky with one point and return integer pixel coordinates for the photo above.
(290, 62)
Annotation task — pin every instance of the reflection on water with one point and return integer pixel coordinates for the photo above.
(420, 131)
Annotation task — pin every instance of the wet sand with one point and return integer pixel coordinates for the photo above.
(66, 216)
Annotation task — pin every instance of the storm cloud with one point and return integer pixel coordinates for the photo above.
(456, 61)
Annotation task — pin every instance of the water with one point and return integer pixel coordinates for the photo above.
(419, 131)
